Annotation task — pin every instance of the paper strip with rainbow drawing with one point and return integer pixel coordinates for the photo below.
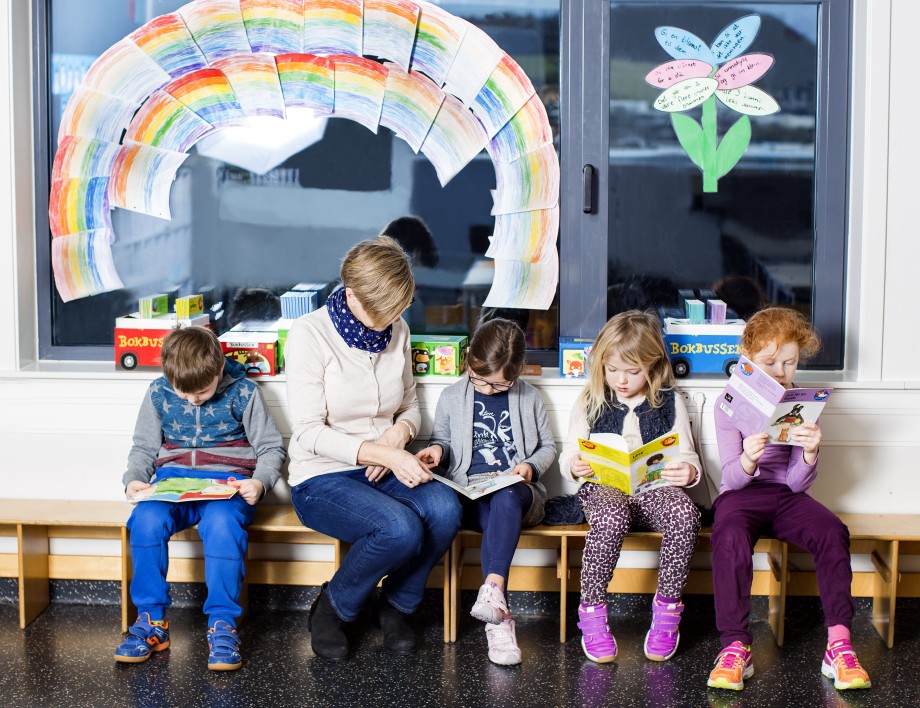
(528, 130)
(79, 204)
(455, 138)
(141, 179)
(82, 264)
(217, 27)
(90, 114)
(333, 27)
(165, 122)
(168, 42)
(531, 182)
(528, 236)
(360, 85)
(529, 286)
(124, 70)
(504, 94)
(254, 80)
(83, 157)
(307, 81)
(274, 26)
(437, 41)
(410, 105)
(475, 61)
(208, 93)
(389, 30)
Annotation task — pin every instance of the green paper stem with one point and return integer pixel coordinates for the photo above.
(710, 146)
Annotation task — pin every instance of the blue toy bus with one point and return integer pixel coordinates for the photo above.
(702, 348)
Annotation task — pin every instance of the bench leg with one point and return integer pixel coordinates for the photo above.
(778, 558)
(448, 582)
(885, 589)
(456, 570)
(562, 570)
(34, 581)
(128, 610)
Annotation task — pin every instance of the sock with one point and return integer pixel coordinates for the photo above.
(666, 600)
(837, 632)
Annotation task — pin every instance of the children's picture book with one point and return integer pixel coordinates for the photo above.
(757, 403)
(183, 489)
(481, 489)
(632, 472)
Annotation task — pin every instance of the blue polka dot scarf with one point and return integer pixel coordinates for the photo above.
(351, 330)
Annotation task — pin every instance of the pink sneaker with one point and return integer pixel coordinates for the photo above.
(596, 640)
(663, 636)
(490, 605)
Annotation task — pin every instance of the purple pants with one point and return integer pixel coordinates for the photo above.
(764, 508)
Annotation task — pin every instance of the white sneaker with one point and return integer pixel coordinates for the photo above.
(503, 648)
(490, 605)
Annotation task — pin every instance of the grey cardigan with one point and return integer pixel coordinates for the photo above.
(533, 437)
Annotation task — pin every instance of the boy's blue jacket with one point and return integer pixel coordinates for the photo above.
(231, 433)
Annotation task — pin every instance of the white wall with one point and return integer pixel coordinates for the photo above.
(66, 428)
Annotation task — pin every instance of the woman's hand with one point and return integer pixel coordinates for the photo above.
(408, 469)
(679, 474)
(431, 455)
(397, 437)
(753, 445)
(524, 471)
(250, 489)
(808, 435)
(580, 468)
(134, 487)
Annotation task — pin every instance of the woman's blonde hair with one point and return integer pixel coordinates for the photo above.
(379, 274)
(636, 337)
(779, 325)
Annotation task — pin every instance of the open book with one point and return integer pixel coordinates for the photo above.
(480, 489)
(183, 489)
(757, 403)
(635, 472)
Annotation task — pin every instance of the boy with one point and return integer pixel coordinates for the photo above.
(202, 418)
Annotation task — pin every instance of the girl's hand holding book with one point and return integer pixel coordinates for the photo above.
(753, 445)
(580, 468)
(808, 435)
(431, 455)
(679, 474)
(524, 471)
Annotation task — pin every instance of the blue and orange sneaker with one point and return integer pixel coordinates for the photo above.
(224, 644)
(734, 664)
(144, 638)
(840, 663)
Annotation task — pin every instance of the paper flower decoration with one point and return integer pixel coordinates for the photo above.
(699, 76)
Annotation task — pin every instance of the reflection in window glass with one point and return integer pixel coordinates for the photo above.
(751, 239)
(242, 237)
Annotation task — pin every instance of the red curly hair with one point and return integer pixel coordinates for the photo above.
(779, 325)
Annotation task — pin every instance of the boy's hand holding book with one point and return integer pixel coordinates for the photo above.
(134, 487)
(250, 489)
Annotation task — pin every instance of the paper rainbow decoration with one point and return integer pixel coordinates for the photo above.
(437, 81)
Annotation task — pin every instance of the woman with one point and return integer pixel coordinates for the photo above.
(353, 411)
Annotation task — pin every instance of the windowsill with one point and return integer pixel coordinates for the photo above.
(104, 370)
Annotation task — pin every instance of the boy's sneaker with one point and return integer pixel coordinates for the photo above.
(503, 648)
(840, 663)
(596, 639)
(663, 636)
(734, 664)
(490, 605)
(144, 638)
(224, 644)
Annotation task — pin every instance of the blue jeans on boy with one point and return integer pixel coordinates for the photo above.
(498, 517)
(395, 531)
(222, 527)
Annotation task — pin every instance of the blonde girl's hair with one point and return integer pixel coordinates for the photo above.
(779, 325)
(636, 337)
(379, 273)
(191, 358)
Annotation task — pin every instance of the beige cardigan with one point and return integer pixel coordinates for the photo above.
(339, 397)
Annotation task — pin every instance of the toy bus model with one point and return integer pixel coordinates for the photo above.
(702, 348)
(138, 340)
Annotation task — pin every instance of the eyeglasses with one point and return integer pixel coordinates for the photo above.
(495, 386)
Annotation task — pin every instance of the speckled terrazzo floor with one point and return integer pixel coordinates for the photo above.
(65, 659)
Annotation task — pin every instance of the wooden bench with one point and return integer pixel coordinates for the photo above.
(879, 535)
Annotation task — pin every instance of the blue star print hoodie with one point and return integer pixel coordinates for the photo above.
(231, 434)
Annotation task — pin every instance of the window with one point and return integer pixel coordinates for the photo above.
(241, 238)
(769, 227)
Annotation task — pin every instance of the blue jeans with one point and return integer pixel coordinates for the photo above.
(395, 531)
(498, 517)
(222, 527)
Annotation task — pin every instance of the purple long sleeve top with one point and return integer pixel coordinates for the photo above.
(779, 464)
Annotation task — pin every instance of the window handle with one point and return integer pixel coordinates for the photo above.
(588, 195)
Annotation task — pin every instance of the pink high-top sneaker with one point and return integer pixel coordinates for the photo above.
(596, 640)
(663, 636)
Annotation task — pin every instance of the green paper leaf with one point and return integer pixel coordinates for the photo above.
(733, 145)
(690, 135)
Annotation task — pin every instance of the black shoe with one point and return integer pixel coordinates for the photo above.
(326, 635)
(398, 636)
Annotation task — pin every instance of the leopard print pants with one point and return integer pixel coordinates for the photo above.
(612, 514)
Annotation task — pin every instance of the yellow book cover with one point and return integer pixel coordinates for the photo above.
(635, 472)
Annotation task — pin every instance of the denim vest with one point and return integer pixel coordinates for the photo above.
(653, 422)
